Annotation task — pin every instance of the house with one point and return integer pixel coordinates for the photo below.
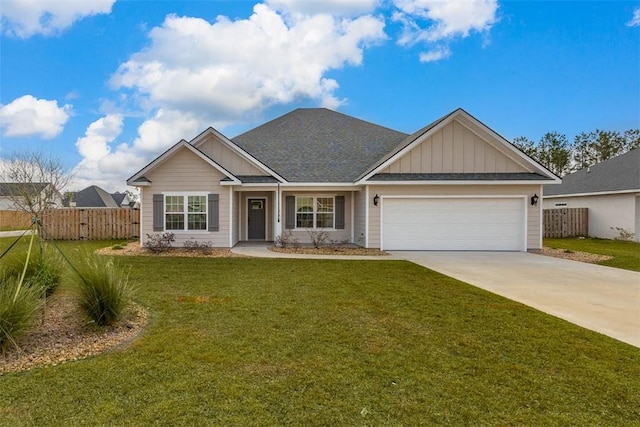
(12, 195)
(611, 192)
(95, 197)
(452, 185)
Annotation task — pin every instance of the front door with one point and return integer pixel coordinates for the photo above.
(256, 222)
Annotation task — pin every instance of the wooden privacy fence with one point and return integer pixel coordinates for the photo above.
(566, 222)
(91, 223)
(14, 220)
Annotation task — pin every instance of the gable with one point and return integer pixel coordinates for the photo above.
(184, 169)
(213, 146)
(455, 148)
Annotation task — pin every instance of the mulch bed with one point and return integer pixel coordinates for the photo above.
(64, 334)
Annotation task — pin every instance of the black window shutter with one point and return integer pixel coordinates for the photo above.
(214, 212)
(158, 212)
(290, 212)
(339, 212)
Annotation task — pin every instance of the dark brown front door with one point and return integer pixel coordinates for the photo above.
(256, 222)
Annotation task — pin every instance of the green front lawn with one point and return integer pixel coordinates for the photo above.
(625, 254)
(312, 342)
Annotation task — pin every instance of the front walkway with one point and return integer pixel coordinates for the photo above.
(262, 251)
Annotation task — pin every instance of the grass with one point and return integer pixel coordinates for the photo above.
(625, 255)
(312, 342)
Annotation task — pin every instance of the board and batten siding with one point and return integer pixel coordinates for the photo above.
(454, 149)
(533, 235)
(227, 158)
(186, 172)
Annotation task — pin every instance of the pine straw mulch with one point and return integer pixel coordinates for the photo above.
(64, 334)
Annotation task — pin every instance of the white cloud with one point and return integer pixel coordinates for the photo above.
(332, 7)
(196, 74)
(435, 54)
(28, 116)
(635, 21)
(440, 21)
(101, 164)
(24, 18)
(223, 71)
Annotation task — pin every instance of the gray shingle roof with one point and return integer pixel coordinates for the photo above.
(92, 197)
(320, 145)
(616, 174)
(510, 176)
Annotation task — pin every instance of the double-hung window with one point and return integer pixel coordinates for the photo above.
(186, 212)
(315, 212)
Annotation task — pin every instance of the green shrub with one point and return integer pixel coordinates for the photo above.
(104, 289)
(44, 270)
(17, 312)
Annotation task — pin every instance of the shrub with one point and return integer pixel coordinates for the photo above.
(159, 242)
(19, 307)
(195, 246)
(623, 234)
(104, 289)
(286, 240)
(318, 237)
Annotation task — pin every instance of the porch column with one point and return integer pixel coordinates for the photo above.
(277, 217)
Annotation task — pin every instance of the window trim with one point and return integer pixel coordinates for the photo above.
(315, 212)
(185, 212)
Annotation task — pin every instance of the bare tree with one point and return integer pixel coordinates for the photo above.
(35, 181)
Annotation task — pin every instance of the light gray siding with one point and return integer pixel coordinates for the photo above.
(185, 172)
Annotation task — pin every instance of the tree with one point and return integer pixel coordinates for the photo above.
(554, 151)
(607, 144)
(583, 153)
(632, 139)
(526, 145)
(36, 180)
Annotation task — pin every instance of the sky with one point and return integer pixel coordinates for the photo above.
(108, 85)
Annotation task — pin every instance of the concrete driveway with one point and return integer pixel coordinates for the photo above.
(603, 299)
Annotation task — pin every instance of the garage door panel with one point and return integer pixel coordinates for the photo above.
(453, 224)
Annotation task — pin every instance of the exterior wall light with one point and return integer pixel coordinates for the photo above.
(376, 199)
(534, 200)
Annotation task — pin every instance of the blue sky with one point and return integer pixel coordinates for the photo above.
(107, 85)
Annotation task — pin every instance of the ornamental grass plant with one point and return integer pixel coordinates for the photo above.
(43, 271)
(104, 289)
(19, 308)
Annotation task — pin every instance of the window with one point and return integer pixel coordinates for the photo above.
(314, 212)
(186, 212)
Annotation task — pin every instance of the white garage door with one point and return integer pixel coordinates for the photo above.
(492, 224)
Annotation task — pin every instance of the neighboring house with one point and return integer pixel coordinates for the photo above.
(9, 191)
(91, 197)
(123, 200)
(453, 185)
(610, 190)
